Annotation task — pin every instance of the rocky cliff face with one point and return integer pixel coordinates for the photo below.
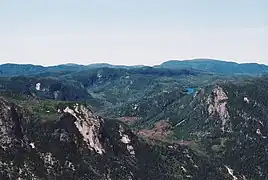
(81, 145)
(230, 121)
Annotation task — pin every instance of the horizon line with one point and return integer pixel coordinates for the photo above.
(128, 65)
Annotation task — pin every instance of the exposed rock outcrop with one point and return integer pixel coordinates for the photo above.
(88, 125)
(217, 105)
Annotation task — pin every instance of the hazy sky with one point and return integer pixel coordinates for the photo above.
(131, 32)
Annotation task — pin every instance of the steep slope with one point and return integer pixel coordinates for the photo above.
(228, 122)
(70, 142)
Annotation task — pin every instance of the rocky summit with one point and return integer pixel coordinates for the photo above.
(122, 123)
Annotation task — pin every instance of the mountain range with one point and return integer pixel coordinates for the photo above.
(207, 65)
(198, 119)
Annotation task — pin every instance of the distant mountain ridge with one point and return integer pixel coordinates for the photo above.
(206, 65)
(217, 66)
(10, 69)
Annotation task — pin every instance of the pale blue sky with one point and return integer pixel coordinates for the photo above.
(131, 32)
